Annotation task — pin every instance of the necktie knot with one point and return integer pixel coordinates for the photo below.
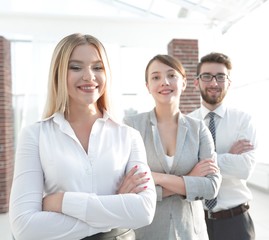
(211, 115)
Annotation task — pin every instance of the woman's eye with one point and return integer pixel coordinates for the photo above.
(155, 78)
(98, 68)
(74, 67)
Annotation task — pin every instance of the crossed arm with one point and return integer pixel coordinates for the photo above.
(172, 184)
(131, 184)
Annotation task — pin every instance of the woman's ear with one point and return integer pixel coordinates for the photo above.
(184, 84)
(147, 85)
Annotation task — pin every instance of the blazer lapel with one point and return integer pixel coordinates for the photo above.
(181, 138)
(157, 142)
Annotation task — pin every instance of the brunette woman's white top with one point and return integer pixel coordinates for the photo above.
(169, 160)
(50, 158)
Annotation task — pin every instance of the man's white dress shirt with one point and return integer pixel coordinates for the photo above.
(232, 125)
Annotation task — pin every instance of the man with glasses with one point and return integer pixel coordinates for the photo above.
(227, 217)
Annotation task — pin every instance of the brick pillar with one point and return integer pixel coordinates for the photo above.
(6, 125)
(186, 50)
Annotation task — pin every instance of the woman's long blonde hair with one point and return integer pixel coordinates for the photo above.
(57, 96)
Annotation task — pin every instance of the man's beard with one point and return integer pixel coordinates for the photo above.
(213, 100)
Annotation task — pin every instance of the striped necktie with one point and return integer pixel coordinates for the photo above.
(212, 202)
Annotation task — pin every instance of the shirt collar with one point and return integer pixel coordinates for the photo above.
(220, 110)
(59, 117)
(107, 116)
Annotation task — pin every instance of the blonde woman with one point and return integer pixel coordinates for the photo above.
(79, 174)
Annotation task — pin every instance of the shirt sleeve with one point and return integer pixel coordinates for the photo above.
(242, 165)
(27, 220)
(119, 210)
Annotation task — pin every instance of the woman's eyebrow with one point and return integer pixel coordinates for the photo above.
(155, 72)
(75, 61)
(79, 61)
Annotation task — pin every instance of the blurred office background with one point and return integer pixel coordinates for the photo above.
(133, 31)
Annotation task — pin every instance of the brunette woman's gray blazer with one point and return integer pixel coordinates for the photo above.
(184, 213)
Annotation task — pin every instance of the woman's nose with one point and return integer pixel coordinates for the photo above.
(88, 75)
(165, 82)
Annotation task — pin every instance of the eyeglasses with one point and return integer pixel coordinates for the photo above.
(206, 77)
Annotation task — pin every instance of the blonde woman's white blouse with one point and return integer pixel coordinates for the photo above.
(50, 159)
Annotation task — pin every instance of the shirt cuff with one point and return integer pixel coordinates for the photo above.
(75, 205)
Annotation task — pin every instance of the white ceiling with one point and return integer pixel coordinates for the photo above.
(212, 13)
(220, 14)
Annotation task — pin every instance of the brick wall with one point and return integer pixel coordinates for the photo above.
(186, 50)
(6, 125)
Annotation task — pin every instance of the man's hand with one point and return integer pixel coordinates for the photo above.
(241, 146)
